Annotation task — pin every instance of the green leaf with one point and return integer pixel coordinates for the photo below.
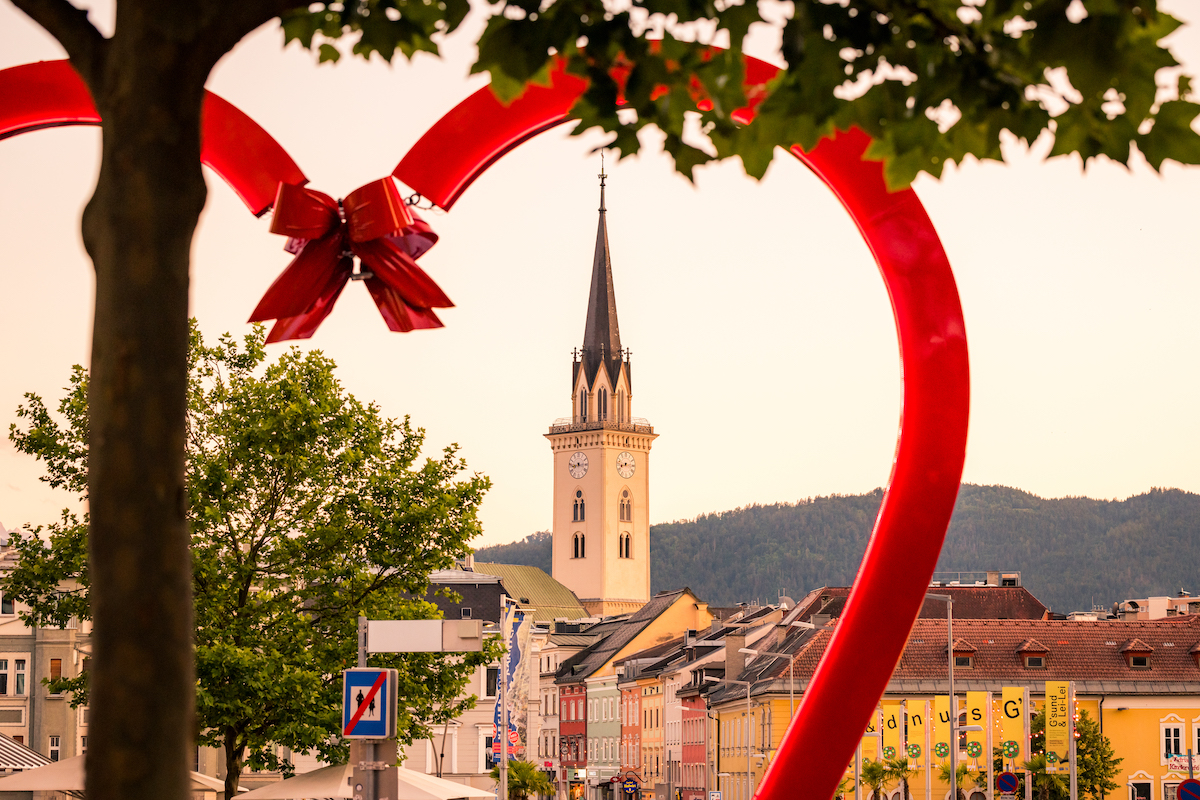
(328, 53)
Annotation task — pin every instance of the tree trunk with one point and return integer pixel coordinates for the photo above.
(138, 230)
(234, 753)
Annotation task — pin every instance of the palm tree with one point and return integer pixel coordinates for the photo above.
(874, 775)
(1044, 782)
(966, 780)
(899, 769)
(524, 779)
(845, 787)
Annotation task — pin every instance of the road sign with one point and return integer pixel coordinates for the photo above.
(368, 703)
(630, 786)
(1189, 789)
(1006, 783)
(714, 796)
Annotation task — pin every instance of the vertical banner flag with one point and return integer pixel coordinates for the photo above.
(979, 712)
(1058, 726)
(941, 727)
(1012, 726)
(870, 743)
(516, 628)
(917, 710)
(893, 722)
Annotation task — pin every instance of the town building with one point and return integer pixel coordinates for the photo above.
(601, 522)
(1157, 607)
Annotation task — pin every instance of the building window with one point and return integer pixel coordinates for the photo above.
(1035, 662)
(1172, 740)
(55, 669)
(582, 405)
(488, 757)
(465, 612)
(963, 662)
(580, 509)
(6, 606)
(626, 506)
(12, 682)
(493, 678)
(1139, 662)
(580, 546)
(602, 404)
(55, 748)
(625, 546)
(1139, 791)
(83, 751)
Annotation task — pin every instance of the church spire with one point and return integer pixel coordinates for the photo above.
(601, 334)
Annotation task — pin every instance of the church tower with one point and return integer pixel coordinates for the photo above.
(602, 463)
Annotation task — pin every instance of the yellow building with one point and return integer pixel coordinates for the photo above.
(601, 523)
(1139, 679)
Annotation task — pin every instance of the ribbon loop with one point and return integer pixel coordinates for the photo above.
(376, 210)
(373, 224)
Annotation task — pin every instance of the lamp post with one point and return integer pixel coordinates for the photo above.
(791, 673)
(749, 727)
(949, 601)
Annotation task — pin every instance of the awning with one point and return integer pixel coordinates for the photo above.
(334, 782)
(67, 776)
(14, 755)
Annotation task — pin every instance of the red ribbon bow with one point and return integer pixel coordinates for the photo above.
(372, 223)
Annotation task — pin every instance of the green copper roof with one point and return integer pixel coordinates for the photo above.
(531, 586)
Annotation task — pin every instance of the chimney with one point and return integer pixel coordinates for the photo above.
(993, 579)
(735, 660)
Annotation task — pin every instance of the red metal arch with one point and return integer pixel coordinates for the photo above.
(50, 94)
(896, 569)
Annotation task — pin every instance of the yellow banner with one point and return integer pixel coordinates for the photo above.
(1058, 726)
(893, 727)
(1012, 726)
(870, 744)
(979, 712)
(941, 728)
(918, 714)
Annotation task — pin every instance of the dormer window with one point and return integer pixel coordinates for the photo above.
(1033, 654)
(1137, 654)
(964, 654)
(963, 662)
(1035, 662)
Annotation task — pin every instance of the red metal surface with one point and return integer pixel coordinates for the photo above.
(49, 94)
(890, 587)
(372, 223)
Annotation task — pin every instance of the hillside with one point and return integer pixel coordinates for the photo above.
(1069, 551)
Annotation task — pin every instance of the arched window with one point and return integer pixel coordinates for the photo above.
(580, 509)
(621, 405)
(580, 546)
(583, 405)
(602, 404)
(625, 546)
(626, 506)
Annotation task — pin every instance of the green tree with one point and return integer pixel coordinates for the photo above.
(1097, 767)
(944, 80)
(307, 508)
(874, 775)
(966, 778)
(1045, 785)
(900, 771)
(524, 779)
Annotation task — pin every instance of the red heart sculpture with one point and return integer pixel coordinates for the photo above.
(890, 587)
(892, 580)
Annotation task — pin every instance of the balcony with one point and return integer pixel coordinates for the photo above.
(635, 425)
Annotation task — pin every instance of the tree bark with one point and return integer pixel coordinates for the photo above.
(138, 230)
(234, 753)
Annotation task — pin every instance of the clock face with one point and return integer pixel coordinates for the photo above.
(625, 464)
(577, 465)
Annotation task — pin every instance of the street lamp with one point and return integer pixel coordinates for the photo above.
(749, 727)
(949, 601)
(791, 673)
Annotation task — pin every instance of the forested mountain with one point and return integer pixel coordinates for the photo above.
(1071, 552)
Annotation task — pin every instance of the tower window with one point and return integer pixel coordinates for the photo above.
(625, 546)
(580, 546)
(621, 406)
(582, 405)
(580, 509)
(602, 404)
(626, 507)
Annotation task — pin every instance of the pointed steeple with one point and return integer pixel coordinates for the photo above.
(601, 334)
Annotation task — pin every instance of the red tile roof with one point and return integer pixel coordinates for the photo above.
(1079, 650)
(1136, 646)
(1032, 646)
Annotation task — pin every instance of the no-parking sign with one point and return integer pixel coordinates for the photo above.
(369, 703)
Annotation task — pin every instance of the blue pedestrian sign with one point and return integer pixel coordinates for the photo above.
(1189, 790)
(369, 703)
(1006, 782)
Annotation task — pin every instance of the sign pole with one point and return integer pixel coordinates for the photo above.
(362, 641)
(1071, 742)
(990, 742)
(928, 753)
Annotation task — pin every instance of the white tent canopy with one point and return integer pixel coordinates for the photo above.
(334, 782)
(68, 776)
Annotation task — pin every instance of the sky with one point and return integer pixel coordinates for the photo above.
(762, 340)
